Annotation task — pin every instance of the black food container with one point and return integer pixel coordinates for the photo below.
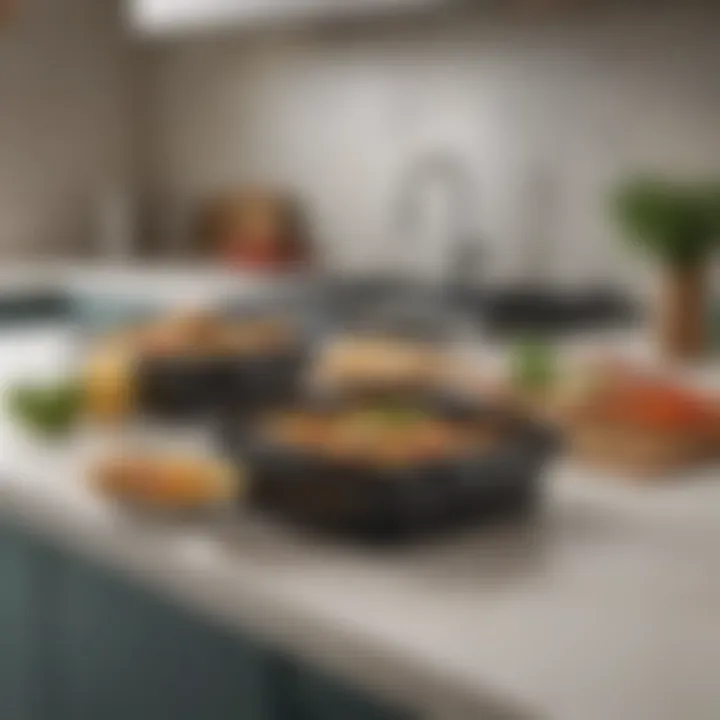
(386, 505)
(187, 387)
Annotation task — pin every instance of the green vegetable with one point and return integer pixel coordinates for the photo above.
(677, 222)
(534, 365)
(51, 410)
(390, 416)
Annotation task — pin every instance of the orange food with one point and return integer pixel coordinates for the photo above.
(660, 408)
(192, 334)
(180, 482)
(376, 435)
(631, 419)
(109, 386)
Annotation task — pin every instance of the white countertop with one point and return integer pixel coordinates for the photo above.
(607, 609)
(165, 282)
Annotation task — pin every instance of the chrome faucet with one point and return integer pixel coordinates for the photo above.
(461, 241)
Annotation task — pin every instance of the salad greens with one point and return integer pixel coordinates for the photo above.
(50, 409)
(534, 364)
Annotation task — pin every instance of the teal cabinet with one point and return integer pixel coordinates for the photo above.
(78, 642)
(17, 651)
(131, 656)
(321, 698)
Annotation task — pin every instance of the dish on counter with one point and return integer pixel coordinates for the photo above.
(195, 364)
(632, 420)
(383, 435)
(168, 482)
(390, 471)
(203, 335)
(377, 364)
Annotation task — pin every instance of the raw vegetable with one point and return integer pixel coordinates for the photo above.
(51, 410)
(534, 365)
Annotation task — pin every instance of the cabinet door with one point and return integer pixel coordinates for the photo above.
(77, 643)
(321, 698)
(17, 639)
(129, 656)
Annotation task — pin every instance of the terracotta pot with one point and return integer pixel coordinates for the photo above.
(683, 326)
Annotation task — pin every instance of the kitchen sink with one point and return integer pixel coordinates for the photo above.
(497, 311)
(512, 310)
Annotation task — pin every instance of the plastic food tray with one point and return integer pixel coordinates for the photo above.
(379, 504)
(187, 387)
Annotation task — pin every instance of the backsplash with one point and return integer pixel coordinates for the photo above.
(66, 122)
(577, 102)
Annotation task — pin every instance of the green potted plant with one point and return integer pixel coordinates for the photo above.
(678, 223)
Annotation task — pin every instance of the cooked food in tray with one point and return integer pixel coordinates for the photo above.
(171, 482)
(204, 334)
(361, 363)
(390, 434)
(193, 364)
(389, 470)
(628, 419)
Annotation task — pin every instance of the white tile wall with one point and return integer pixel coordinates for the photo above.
(65, 121)
(338, 117)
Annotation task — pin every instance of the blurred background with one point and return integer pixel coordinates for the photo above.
(282, 277)
(151, 112)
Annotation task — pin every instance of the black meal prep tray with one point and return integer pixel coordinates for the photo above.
(206, 385)
(379, 505)
(181, 388)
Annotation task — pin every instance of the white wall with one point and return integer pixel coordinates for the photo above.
(338, 116)
(65, 121)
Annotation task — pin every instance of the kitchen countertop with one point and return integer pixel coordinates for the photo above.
(188, 283)
(606, 608)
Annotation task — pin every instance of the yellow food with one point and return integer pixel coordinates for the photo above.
(168, 481)
(206, 334)
(110, 375)
(385, 436)
(379, 362)
(109, 385)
